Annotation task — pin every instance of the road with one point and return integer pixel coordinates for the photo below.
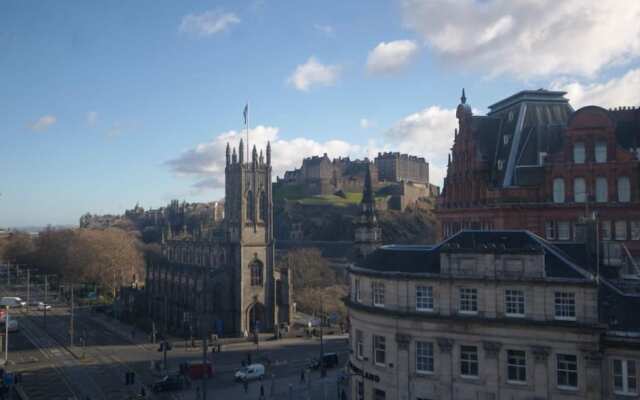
(97, 369)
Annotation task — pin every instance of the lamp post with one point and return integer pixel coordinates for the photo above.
(6, 337)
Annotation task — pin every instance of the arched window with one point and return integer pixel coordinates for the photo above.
(602, 194)
(624, 189)
(256, 273)
(601, 151)
(579, 190)
(558, 190)
(251, 206)
(263, 206)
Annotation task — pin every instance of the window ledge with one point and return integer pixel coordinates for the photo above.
(514, 315)
(472, 377)
(517, 383)
(626, 394)
(565, 318)
(568, 388)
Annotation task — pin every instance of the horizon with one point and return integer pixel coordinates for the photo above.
(113, 105)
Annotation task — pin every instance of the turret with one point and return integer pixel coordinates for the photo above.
(228, 154)
(463, 112)
(234, 157)
(241, 152)
(268, 153)
(254, 155)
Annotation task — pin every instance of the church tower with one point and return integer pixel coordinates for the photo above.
(368, 235)
(249, 234)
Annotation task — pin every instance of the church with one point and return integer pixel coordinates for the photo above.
(224, 282)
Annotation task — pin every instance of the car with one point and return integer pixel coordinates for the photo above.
(330, 360)
(170, 383)
(250, 372)
(43, 306)
(12, 302)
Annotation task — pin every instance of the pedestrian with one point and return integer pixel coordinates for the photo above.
(302, 376)
(245, 384)
(261, 391)
(198, 393)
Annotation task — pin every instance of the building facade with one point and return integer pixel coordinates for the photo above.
(534, 163)
(396, 167)
(491, 315)
(226, 283)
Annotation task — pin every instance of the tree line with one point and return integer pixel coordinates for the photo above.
(109, 258)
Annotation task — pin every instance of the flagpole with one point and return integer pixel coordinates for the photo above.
(247, 128)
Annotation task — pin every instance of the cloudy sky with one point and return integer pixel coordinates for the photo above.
(105, 104)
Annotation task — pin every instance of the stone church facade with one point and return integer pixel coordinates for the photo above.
(225, 282)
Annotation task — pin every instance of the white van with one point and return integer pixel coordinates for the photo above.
(12, 302)
(250, 372)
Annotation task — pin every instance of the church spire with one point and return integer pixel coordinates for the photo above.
(463, 98)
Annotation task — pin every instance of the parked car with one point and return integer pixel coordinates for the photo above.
(170, 383)
(329, 360)
(12, 302)
(250, 372)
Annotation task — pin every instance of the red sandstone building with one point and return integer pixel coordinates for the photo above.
(534, 163)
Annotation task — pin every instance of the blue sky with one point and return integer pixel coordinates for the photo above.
(111, 103)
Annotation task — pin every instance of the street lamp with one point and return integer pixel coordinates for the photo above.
(6, 337)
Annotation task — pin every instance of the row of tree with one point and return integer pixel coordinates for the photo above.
(109, 258)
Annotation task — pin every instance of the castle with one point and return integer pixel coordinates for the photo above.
(226, 284)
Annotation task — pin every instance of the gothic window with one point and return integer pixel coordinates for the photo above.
(256, 273)
(624, 189)
(251, 207)
(263, 206)
(558, 190)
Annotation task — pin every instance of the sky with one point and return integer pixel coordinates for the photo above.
(109, 104)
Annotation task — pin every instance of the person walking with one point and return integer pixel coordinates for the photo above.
(245, 384)
(302, 376)
(261, 391)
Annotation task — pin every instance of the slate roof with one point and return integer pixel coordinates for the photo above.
(426, 259)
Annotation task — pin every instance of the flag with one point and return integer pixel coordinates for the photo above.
(245, 113)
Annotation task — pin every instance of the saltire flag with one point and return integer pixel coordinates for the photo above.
(245, 113)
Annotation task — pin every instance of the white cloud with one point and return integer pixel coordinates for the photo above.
(529, 38)
(619, 91)
(391, 57)
(206, 161)
(208, 23)
(43, 123)
(313, 73)
(92, 118)
(366, 123)
(427, 133)
(325, 29)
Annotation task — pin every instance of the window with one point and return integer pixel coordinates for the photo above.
(360, 391)
(251, 206)
(601, 190)
(469, 361)
(424, 357)
(605, 226)
(264, 207)
(621, 230)
(579, 190)
(578, 153)
(379, 348)
(624, 377)
(624, 189)
(424, 298)
(377, 290)
(379, 394)
(567, 371)
(514, 303)
(635, 230)
(601, 151)
(256, 274)
(564, 230)
(550, 230)
(468, 300)
(516, 366)
(565, 306)
(356, 289)
(558, 190)
(359, 344)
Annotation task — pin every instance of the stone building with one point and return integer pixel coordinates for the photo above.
(492, 315)
(396, 167)
(225, 283)
(534, 163)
